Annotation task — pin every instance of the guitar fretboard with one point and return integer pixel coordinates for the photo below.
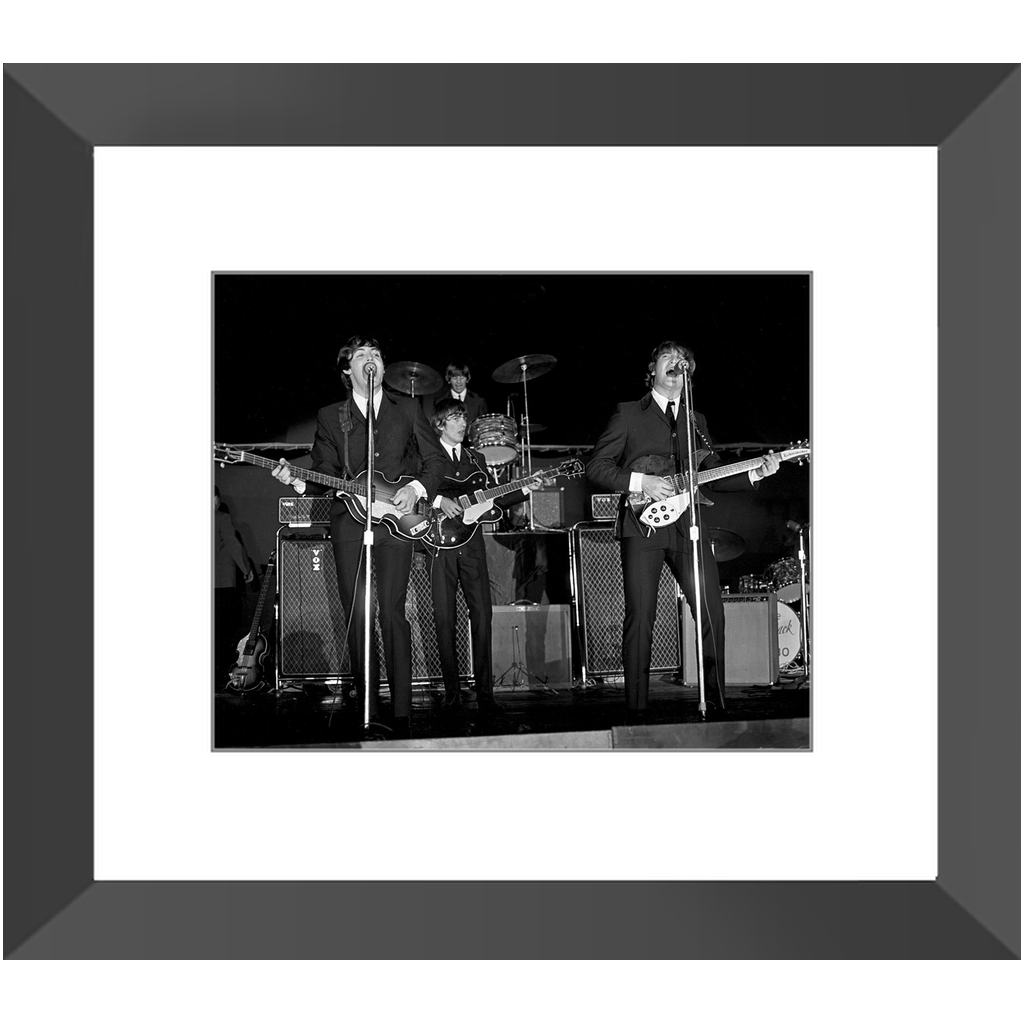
(257, 617)
(469, 500)
(731, 469)
(349, 486)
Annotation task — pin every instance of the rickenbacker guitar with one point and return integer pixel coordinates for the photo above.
(478, 506)
(246, 674)
(406, 525)
(658, 514)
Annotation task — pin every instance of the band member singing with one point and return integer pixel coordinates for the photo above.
(639, 436)
(404, 445)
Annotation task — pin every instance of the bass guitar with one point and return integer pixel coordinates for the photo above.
(477, 504)
(247, 673)
(406, 525)
(664, 512)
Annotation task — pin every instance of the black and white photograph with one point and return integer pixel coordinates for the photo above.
(527, 533)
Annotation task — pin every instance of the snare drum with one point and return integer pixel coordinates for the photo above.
(784, 578)
(789, 634)
(496, 438)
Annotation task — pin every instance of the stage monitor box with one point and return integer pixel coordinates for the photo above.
(537, 637)
(751, 641)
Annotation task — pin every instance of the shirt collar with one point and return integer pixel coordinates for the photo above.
(361, 402)
(663, 401)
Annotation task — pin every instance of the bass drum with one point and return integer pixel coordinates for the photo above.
(496, 438)
(783, 577)
(789, 634)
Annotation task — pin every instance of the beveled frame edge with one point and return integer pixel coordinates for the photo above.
(56, 911)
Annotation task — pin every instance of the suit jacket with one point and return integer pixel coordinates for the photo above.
(637, 429)
(475, 405)
(405, 445)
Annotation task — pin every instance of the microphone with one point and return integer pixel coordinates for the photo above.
(792, 524)
(369, 370)
(680, 366)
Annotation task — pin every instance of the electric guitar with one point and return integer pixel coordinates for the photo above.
(477, 504)
(658, 514)
(247, 673)
(405, 525)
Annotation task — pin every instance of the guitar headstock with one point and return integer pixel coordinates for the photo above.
(571, 467)
(225, 453)
(799, 451)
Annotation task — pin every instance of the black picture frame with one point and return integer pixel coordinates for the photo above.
(56, 114)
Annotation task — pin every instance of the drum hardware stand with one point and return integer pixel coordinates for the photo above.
(691, 478)
(526, 442)
(519, 670)
(805, 605)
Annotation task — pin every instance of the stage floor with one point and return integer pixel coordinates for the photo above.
(775, 717)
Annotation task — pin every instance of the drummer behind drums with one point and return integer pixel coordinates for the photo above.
(457, 377)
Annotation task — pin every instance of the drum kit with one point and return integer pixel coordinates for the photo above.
(782, 578)
(501, 441)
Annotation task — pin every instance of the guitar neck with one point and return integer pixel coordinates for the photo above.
(731, 469)
(258, 614)
(349, 486)
(469, 500)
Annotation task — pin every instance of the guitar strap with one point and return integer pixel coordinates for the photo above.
(345, 419)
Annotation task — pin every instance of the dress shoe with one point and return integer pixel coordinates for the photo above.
(636, 716)
(714, 713)
(403, 728)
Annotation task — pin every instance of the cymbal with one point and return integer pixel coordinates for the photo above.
(512, 371)
(412, 378)
(535, 428)
(726, 545)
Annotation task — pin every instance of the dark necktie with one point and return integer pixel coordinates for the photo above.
(670, 409)
(455, 455)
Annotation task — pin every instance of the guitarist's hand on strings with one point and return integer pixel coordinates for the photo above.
(657, 487)
(406, 498)
(284, 474)
(450, 508)
(769, 465)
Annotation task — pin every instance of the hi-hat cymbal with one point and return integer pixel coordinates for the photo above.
(533, 366)
(412, 378)
(535, 428)
(726, 545)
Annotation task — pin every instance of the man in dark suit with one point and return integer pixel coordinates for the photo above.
(404, 445)
(466, 564)
(640, 448)
(457, 378)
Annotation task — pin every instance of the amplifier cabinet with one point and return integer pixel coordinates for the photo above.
(549, 507)
(537, 638)
(751, 641)
(601, 605)
(299, 510)
(311, 623)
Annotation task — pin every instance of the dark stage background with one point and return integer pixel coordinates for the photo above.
(276, 337)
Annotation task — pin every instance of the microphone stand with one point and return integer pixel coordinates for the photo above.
(370, 371)
(691, 483)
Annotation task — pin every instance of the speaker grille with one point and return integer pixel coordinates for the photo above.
(312, 622)
(603, 606)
